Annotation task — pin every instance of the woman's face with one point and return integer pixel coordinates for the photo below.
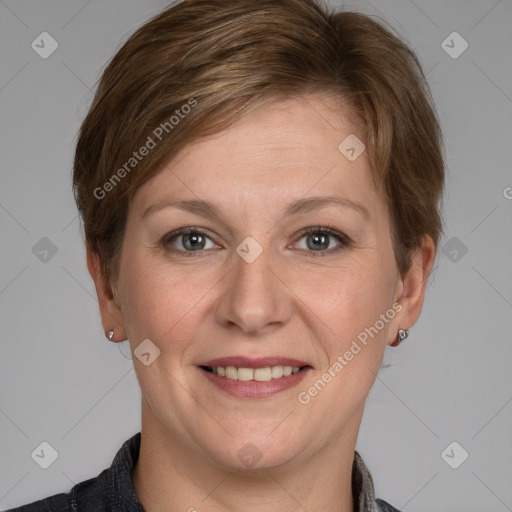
(251, 288)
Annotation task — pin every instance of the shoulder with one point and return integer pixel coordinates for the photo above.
(87, 495)
(56, 503)
(111, 490)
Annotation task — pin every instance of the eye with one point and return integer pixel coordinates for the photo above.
(187, 240)
(320, 241)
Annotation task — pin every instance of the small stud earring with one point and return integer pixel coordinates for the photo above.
(110, 334)
(402, 334)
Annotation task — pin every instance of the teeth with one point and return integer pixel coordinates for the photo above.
(231, 372)
(245, 374)
(262, 374)
(277, 371)
(258, 374)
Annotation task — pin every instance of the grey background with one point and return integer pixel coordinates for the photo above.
(63, 383)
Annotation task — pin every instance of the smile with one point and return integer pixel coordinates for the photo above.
(257, 374)
(245, 377)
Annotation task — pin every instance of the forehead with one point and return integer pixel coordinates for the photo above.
(281, 151)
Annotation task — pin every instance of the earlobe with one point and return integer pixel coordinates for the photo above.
(111, 314)
(401, 336)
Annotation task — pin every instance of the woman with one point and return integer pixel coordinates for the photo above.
(259, 183)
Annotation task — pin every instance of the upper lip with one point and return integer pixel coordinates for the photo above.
(254, 362)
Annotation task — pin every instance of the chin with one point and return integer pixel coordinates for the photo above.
(251, 450)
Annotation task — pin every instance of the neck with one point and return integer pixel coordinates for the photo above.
(171, 475)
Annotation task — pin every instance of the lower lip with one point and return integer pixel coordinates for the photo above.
(254, 388)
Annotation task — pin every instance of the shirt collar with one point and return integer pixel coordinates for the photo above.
(123, 495)
(362, 487)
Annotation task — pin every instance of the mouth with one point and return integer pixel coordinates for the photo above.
(254, 378)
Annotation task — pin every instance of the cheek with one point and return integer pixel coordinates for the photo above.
(350, 304)
(160, 299)
(144, 292)
(350, 298)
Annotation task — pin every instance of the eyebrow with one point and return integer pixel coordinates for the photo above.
(301, 206)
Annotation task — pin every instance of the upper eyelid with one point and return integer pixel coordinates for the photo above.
(186, 231)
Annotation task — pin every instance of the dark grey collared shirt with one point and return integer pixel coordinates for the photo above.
(112, 490)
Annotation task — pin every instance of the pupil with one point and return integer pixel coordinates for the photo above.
(320, 241)
(193, 241)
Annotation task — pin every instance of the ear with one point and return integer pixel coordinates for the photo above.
(110, 310)
(413, 286)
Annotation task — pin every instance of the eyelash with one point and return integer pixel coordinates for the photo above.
(343, 240)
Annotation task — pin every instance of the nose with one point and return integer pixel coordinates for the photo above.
(254, 298)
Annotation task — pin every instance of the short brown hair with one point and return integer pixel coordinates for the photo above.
(221, 59)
